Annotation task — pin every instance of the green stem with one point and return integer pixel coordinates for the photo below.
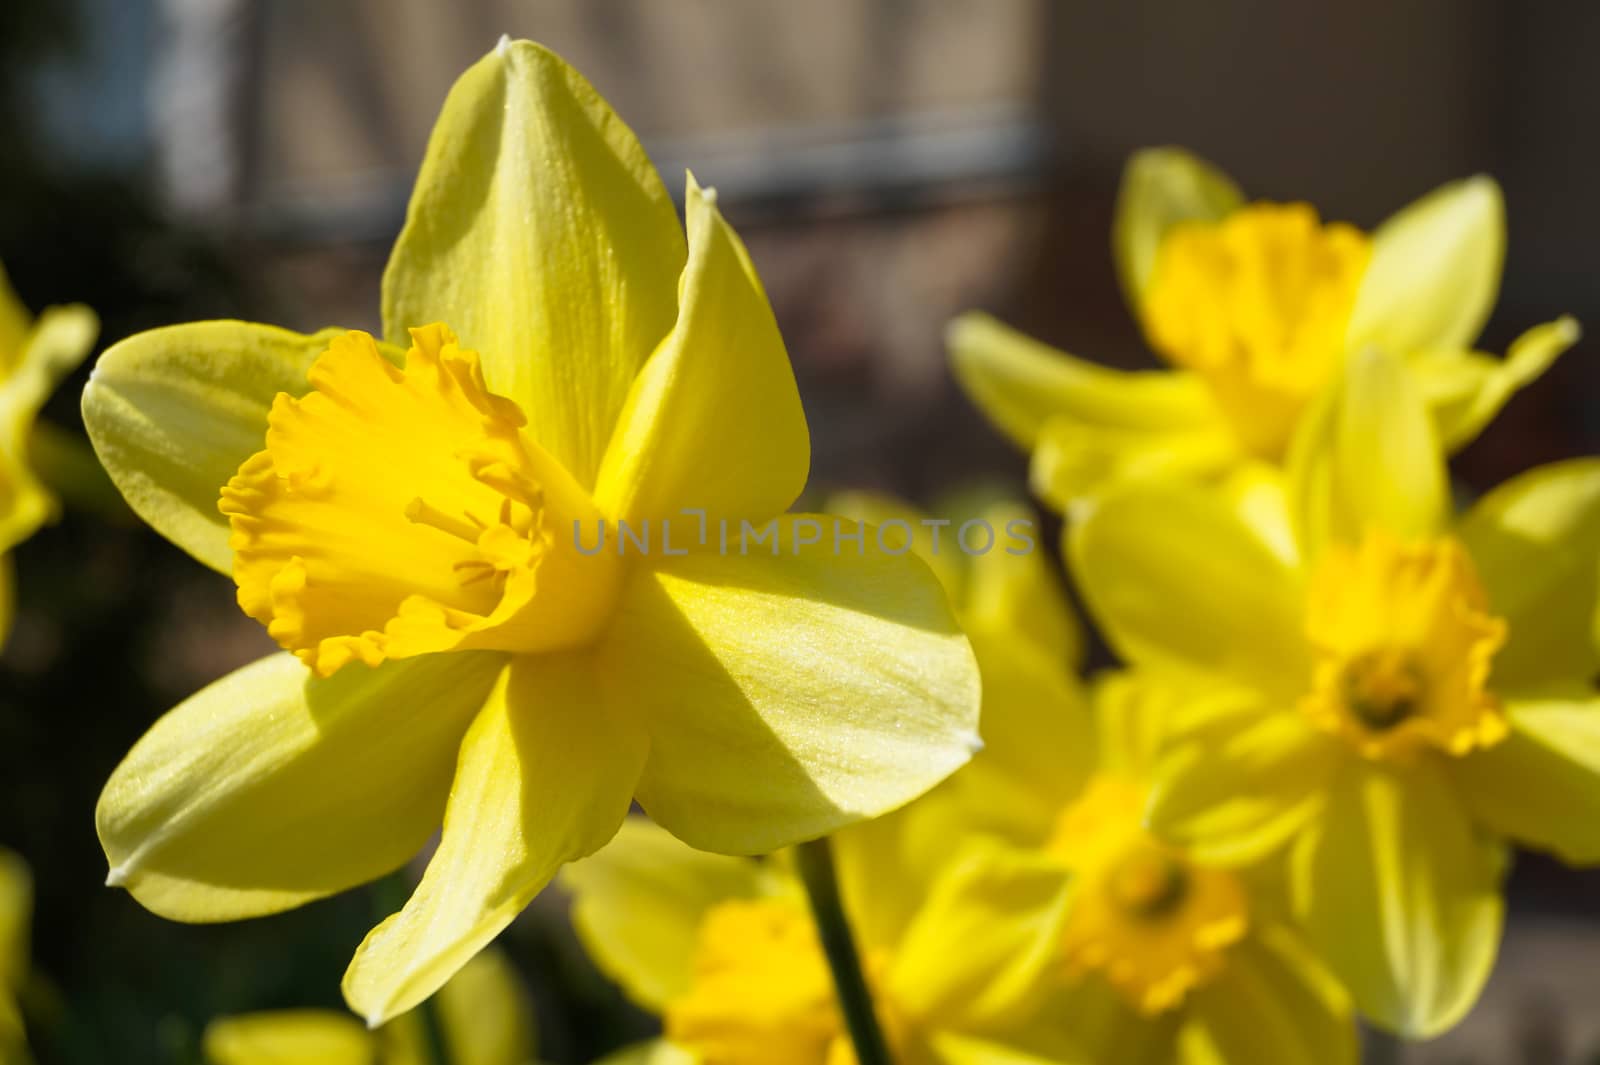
(815, 863)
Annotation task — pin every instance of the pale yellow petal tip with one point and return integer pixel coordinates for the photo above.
(503, 46)
(974, 743)
(1568, 328)
(117, 876)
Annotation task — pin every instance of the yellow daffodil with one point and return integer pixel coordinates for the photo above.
(415, 522)
(34, 355)
(484, 1016)
(1404, 691)
(16, 915)
(1123, 946)
(1257, 307)
(725, 952)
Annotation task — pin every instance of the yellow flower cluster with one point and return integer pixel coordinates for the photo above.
(1339, 700)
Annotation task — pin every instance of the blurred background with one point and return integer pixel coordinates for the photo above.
(889, 164)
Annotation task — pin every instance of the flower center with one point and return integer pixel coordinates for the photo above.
(402, 511)
(761, 994)
(1404, 644)
(1258, 304)
(1154, 924)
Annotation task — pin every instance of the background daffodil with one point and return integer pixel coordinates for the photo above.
(1257, 307)
(1405, 691)
(725, 951)
(484, 1017)
(403, 521)
(35, 353)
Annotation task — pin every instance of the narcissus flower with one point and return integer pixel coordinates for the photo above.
(725, 952)
(16, 916)
(34, 355)
(484, 1017)
(1397, 692)
(1257, 307)
(415, 521)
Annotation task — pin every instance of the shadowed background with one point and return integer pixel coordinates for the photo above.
(889, 164)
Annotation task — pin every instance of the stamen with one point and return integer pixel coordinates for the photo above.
(422, 512)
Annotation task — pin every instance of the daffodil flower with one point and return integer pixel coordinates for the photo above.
(16, 915)
(1257, 307)
(484, 1016)
(1408, 691)
(35, 353)
(404, 516)
(725, 952)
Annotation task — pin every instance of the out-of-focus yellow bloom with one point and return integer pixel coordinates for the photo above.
(386, 505)
(16, 915)
(485, 1018)
(35, 353)
(725, 951)
(1258, 308)
(1403, 691)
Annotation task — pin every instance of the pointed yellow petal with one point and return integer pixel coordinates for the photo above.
(904, 524)
(486, 1013)
(982, 949)
(1534, 540)
(1013, 591)
(1367, 457)
(1020, 383)
(790, 693)
(271, 788)
(545, 777)
(1239, 787)
(1465, 390)
(53, 347)
(638, 902)
(1160, 188)
(174, 412)
(1541, 785)
(14, 322)
(1273, 1003)
(16, 918)
(542, 234)
(1400, 895)
(305, 1037)
(1435, 271)
(656, 1052)
(1179, 582)
(713, 421)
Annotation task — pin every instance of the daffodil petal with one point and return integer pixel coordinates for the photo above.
(1465, 390)
(655, 1052)
(1400, 895)
(51, 348)
(485, 1013)
(541, 233)
(1272, 1003)
(16, 918)
(1160, 188)
(1239, 787)
(1367, 457)
(1013, 590)
(1535, 541)
(1179, 582)
(271, 788)
(306, 1037)
(1020, 383)
(713, 422)
(957, 1048)
(792, 692)
(1074, 461)
(1099, 1026)
(908, 526)
(1541, 784)
(1435, 271)
(981, 949)
(546, 775)
(638, 902)
(14, 322)
(173, 413)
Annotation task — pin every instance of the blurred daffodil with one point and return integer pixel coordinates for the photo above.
(725, 952)
(1257, 307)
(16, 917)
(1117, 945)
(484, 1018)
(406, 523)
(35, 353)
(1398, 692)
